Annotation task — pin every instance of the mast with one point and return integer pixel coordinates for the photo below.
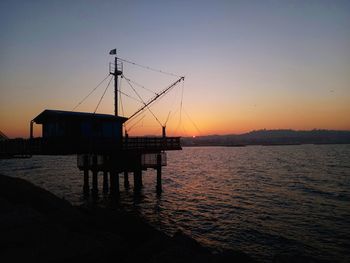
(116, 72)
(116, 85)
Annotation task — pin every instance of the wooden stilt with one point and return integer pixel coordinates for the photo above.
(137, 180)
(86, 187)
(105, 181)
(159, 174)
(117, 183)
(112, 182)
(140, 179)
(114, 176)
(94, 175)
(94, 182)
(126, 180)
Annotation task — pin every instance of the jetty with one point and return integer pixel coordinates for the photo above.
(101, 144)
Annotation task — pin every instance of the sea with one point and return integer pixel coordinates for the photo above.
(267, 201)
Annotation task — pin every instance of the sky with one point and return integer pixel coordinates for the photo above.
(248, 65)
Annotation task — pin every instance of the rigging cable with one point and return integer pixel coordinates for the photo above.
(98, 104)
(132, 126)
(137, 84)
(131, 97)
(160, 94)
(133, 120)
(181, 103)
(188, 116)
(182, 96)
(144, 103)
(166, 121)
(90, 92)
(149, 68)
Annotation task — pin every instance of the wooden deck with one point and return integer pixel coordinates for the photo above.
(40, 146)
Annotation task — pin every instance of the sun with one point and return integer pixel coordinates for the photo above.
(193, 136)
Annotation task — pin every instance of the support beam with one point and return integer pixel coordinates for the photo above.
(31, 130)
(126, 180)
(137, 180)
(94, 182)
(94, 175)
(86, 186)
(140, 179)
(117, 182)
(159, 173)
(114, 180)
(105, 181)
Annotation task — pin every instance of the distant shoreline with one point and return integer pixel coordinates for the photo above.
(246, 145)
(271, 138)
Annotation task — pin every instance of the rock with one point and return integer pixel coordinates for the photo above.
(37, 226)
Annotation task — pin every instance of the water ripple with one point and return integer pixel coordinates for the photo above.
(262, 200)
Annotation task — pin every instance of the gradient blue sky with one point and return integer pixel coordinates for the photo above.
(248, 64)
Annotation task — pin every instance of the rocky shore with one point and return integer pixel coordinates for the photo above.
(37, 226)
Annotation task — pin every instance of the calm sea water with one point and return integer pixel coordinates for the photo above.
(262, 200)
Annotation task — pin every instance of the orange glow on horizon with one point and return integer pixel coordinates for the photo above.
(16, 124)
(247, 66)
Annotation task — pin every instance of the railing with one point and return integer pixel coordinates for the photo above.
(15, 147)
(119, 67)
(57, 146)
(152, 143)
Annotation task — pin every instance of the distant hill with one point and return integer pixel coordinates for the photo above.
(271, 137)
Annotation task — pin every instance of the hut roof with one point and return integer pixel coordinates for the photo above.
(48, 115)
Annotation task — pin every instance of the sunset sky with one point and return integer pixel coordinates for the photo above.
(248, 64)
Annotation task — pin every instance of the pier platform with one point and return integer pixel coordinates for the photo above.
(57, 146)
(131, 155)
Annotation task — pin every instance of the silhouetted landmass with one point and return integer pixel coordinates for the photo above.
(37, 226)
(271, 137)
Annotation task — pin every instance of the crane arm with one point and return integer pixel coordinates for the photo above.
(162, 93)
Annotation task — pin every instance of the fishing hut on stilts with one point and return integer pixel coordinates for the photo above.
(102, 148)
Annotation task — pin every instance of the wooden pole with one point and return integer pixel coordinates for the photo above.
(86, 187)
(126, 180)
(159, 173)
(105, 181)
(114, 180)
(116, 85)
(137, 180)
(140, 178)
(31, 129)
(94, 182)
(94, 175)
(117, 183)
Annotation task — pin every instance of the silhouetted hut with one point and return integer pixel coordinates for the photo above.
(67, 131)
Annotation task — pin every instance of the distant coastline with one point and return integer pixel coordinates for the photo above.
(271, 138)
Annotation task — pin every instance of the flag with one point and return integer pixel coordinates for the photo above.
(113, 52)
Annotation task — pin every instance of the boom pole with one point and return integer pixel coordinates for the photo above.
(156, 97)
